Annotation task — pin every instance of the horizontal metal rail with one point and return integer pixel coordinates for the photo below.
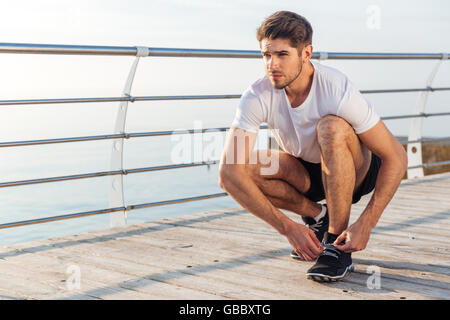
(104, 173)
(30, 48)
(149, 169)
(166, 133)
(60, 217)
(120, 99)
(162, 203)
(425, 140)
(430, 89)
(420, 115)
(60, 178)
(183, 97)
(108, 210)
(170, 166)
(113, 136)
(431, 164)
(378, 56)
(61, 140)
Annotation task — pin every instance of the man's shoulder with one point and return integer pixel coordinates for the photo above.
(331, 77)
(261, 87)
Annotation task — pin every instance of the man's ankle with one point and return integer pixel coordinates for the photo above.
(320, 214)
(330, 237)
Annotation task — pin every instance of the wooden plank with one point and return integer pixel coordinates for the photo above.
(308, 264)
(51, 281)
(105, 246)
(153, 268)
(251, 222)
(178, 254)
(166, 252)
(248, 274)
(175, 262)
(257, 227)
(106, 287)
(197, 246)
(106, 283)
(201, 251)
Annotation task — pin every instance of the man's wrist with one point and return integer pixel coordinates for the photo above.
(286, 226)
(367, 221)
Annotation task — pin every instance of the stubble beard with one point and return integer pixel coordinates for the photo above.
(288, 82)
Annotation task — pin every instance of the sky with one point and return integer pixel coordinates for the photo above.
(339, 25)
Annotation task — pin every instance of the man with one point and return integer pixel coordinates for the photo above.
(335, 147)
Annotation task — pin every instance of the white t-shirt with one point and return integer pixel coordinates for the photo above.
(295, 128)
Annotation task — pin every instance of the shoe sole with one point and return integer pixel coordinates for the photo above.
(319, 277)
(296, 257)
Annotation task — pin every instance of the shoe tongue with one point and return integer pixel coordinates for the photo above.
(309, 221)
(330, 237)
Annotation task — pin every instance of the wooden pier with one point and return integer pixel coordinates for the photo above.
(231, 254)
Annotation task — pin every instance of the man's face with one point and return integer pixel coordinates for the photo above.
(282, 62)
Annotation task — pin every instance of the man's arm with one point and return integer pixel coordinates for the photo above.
(234, 179)
(394, 159)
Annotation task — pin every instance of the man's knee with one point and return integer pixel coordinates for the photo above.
(252, 170)
(333, 130)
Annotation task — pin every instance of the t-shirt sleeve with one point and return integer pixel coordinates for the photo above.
(357, 111)
(249, 113)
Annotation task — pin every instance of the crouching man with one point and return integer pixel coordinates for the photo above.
(334, 147)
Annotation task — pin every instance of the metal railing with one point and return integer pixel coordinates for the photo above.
(116, 192)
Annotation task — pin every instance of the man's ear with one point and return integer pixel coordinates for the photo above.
(307, 52)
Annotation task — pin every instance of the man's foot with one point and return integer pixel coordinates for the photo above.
(319, 228)
(332, 265)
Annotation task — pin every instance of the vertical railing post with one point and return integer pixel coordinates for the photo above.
(415, 129)
(116, 197)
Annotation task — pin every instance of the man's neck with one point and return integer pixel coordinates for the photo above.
(298, 90)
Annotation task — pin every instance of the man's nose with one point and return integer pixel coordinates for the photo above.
(272, 63)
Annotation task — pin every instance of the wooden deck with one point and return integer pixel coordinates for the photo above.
(231, 254)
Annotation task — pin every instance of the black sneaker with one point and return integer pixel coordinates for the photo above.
(320, 228)
(332, 265)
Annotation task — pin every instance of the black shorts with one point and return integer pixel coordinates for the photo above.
(316, 191)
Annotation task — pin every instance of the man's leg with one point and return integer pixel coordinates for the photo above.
(345, 163)
(284, 188)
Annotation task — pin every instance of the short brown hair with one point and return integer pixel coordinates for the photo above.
(288, 25)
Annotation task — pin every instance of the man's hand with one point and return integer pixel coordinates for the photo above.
(304, 241)
(356, 237)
